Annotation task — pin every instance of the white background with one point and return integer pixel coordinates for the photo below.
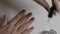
(40, 14)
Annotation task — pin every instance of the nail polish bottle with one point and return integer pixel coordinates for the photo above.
(51, 13)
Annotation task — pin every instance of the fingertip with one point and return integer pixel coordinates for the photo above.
(5, 21)
(29, 15)
(4, 17)
(32, 28)
(23, 11)
(32, 19)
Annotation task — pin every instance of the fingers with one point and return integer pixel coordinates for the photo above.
(44, 4)
(5, 22)
(15, 20)
(56, 5)
(22, 23)
(25, 25)
(18, 16)
(28, 31)
(18, 25)
(23, 20)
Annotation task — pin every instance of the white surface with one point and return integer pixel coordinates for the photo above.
(38, 11)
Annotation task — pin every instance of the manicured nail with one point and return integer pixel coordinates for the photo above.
(32, 28)
(23, 11)
(32, 18)
(29, 15)
(4, 17)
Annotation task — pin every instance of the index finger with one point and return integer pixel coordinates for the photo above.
(17, 17)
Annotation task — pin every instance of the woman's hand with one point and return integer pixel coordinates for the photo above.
(18, 25)
(46, 5)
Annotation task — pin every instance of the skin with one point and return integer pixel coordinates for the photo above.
(46, 5)
(56, 4)
(18, 25)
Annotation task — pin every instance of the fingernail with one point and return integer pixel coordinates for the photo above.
(32, 18)
(32, 28)
(28, 15)
(4, 17)
(23, 11)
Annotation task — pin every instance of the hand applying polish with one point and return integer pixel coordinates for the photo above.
(50, 15)
(44, 4)
(52, 11)
(55, 7)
